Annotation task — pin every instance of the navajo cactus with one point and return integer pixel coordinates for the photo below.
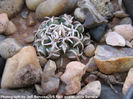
(61, 35)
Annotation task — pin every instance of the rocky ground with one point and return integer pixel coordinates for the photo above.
(66, 49)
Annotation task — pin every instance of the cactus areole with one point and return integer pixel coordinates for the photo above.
(61, 35)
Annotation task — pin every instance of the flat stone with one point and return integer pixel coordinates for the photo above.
(91, 89)
(111, 59)
(115, 39)
(72, 77)
(22, 70)
(128, 82)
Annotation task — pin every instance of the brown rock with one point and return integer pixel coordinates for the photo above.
(90, 78)
(30, 20)
(3, 22)
(89, 50)
(42, 61)
(115, 39)
(126, 30)
(72, 77)
(128, 82)
(29, 39)
(11, 28)
(111, 59)
(21, 70)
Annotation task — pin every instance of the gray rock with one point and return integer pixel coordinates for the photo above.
(126, 20)
(2, 37)
(49, 83)
(9, 47)
(29, 39)
(18, 93)
(108, 93)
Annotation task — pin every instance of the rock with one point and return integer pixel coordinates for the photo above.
(11, 28)
(2, 65)
(126, 20)
(2, 37)
(49, 83)
(128, 82)
(79, 15)
(108, 93)
(42, 61)
(9, 47)
(111, 59)
(30, 20)
(115, 39)
(52, 8)
(128, 44)
(3, 22)
(120, 14)
(89, 50)
(91, 65)
(128, 6)
(29, 39)
(24, 13)
(98, 32)
(11, 7)
(104, 7)
(15, 93)
(72, 77)
(129, 94)
(21, 70)
(92, 89)
(90, 78)
(92, 17)
(126, 30)
(32, 4)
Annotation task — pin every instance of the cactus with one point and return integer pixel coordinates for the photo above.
(60, 35)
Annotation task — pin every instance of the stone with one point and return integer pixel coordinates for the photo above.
(32, 4)
(11, 28)
(115, 39)
(128, 6)
(98, 32)
(2, 37)
(120, 14)
(72, 77)
(89, 50)
(126, 30)
(30, 20)
(91, 65)
(112, 59)
(128, 82)
(11, 7)
(52, 8)
(49, 83)
(92, 89)
(3, 22)
(126, 20)
(90, 78)
(108, 93)
(42, 60)
(79, 15)
(24, 13)
(129, 94)
(128, 44)
(104, 7)
(92, 17)
(22, 70)
(29, 39)
(9, 47)
(15, 93)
